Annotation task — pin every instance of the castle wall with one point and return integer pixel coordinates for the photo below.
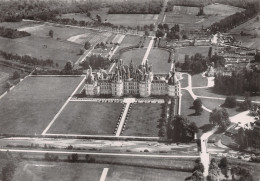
(159, 88)
(173, 90)
(131, 87)
(117, 88)
(145, 89)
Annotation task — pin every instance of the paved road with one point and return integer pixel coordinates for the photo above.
(148, 50)
(128, 101)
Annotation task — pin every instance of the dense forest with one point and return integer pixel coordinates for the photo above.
(238, 83)
(12, 33)
(142, 7)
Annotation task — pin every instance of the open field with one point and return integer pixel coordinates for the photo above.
(132, 20)
(93, 37)
(42, 48)
(53, 171)
(59, 32)
(221, 9)
(143, 120)
(127, 173)
(249, 41)
(136, 55)
(18, 25)
(191, 51)
(199, 81)
(186, 103)
(130, 40)
(159, 60)
(250, 27)
(30, 106)
(88, 118)
(186, 17)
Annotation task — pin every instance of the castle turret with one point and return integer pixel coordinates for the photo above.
(173, 84)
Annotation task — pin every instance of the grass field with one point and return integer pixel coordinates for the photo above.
(221, 9)
(199, 81)
(186, 16)
(130, 40)
(132, 20)
(52, 171)
(127, 173)
(186, 103)
(143, 120)
(18, 25)
(136, 55)
(60, 52)
(88, 118)
(159, 60)
(31, 105)
(191, 51)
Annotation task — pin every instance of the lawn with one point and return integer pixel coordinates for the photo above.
(42, 48)
(221, 9)
(136, 55)
(213, 103)
(184, 81)
(191, 51)
(88, 118)
(199, 81)
(186, 104)
(130, 40)
(55, 171)
(143, 120)
(159, 60)
(31, 105)
(127, 173)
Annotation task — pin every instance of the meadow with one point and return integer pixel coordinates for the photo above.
(31, 105)
(87, 118)
(143, 120)
(159, 60)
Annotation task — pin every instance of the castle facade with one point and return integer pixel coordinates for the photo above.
(131, 80)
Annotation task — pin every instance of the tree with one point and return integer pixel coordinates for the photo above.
(160, 26)
(213, 171)
(151, 27)
(146, 33)
(16, 75)
(87, 45)
(245, 105)
(223, 164)
(210, 52)
(184, 37)
(197, 105)
(51, 33)
(198, 170)
(68, 67)
(159, 34)
(88, 14)
(166, 27)
(98, 18)
(220, 117)
(230, 102)
(74, 157)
